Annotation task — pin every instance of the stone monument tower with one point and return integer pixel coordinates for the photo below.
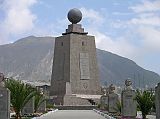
(75, 77)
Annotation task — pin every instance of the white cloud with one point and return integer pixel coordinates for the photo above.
(93, 17)
(147, 16)
(142, 19)
(140, 30)
(18, 18)
(150, 38)
(118, 45)
(147, 6)
(146, 24)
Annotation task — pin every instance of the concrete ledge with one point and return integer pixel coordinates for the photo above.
(76, 107)
(45, 114)
(103, 114)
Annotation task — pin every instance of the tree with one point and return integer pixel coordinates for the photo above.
(21, 93)
(145, 102)
(38, 100)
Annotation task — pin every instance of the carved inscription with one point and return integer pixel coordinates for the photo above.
(60, 68)
(129, 103)
(84, 66)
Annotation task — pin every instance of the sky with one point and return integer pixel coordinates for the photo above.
(129, 28)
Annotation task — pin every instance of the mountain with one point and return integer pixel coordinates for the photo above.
(31, 58)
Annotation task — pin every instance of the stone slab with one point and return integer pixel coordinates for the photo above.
(112, 102)
(4, 103)
(29, 107)
(158, 101)
(129, 105)
(42, 107)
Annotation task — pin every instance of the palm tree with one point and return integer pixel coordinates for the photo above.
(145, 102)
(21, 93)
(38, 100)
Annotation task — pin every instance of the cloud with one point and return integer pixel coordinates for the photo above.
(147, 13)
(118, 45)
(18, 18)
(93, 17)
(147, 6)
(147, 24)
(146, 19)
(150, 38)
(139, 39)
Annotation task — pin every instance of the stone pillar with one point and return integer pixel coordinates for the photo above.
(104, 101)
(112, 99)
(4, 100)
(29, 107)
(158, 101)
(42, 107)
(129, 104)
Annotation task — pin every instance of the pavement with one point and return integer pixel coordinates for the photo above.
(139, 115)
(151, 117)
(72, 114)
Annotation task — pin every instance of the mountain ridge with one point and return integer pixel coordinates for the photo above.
(31, 58)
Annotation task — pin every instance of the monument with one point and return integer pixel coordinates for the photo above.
(29, 107)
(104, 99)
(42, 107)
(75, 78)
(158, 101)
(129, 104)
(112, 99)
(4, 100)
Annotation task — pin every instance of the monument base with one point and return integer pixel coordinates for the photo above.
(73, 100)
(4, 103)
(83, 107)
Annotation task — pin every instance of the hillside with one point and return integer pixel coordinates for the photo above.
(31, 58)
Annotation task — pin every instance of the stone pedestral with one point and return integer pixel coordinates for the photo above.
(112, 102)
(29, 107)
(158, 101)
(42, 107)
(112, 99)
(129, 104)
(4, 103)
(104, 101)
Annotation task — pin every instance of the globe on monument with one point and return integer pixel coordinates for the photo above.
(74, 15)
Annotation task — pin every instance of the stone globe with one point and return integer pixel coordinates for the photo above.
(74, 16)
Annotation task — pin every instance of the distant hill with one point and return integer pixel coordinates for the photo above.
(31, 58)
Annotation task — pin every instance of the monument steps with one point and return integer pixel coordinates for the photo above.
(80, 107)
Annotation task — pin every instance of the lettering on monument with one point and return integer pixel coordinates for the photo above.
(61, 68)
(129, 104)
(84, 66)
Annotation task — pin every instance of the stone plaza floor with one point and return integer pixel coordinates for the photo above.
(72, 114)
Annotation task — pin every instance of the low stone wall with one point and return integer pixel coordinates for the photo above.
(103, 114)
(75, 107)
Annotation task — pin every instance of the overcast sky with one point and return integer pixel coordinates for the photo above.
(129, 28)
